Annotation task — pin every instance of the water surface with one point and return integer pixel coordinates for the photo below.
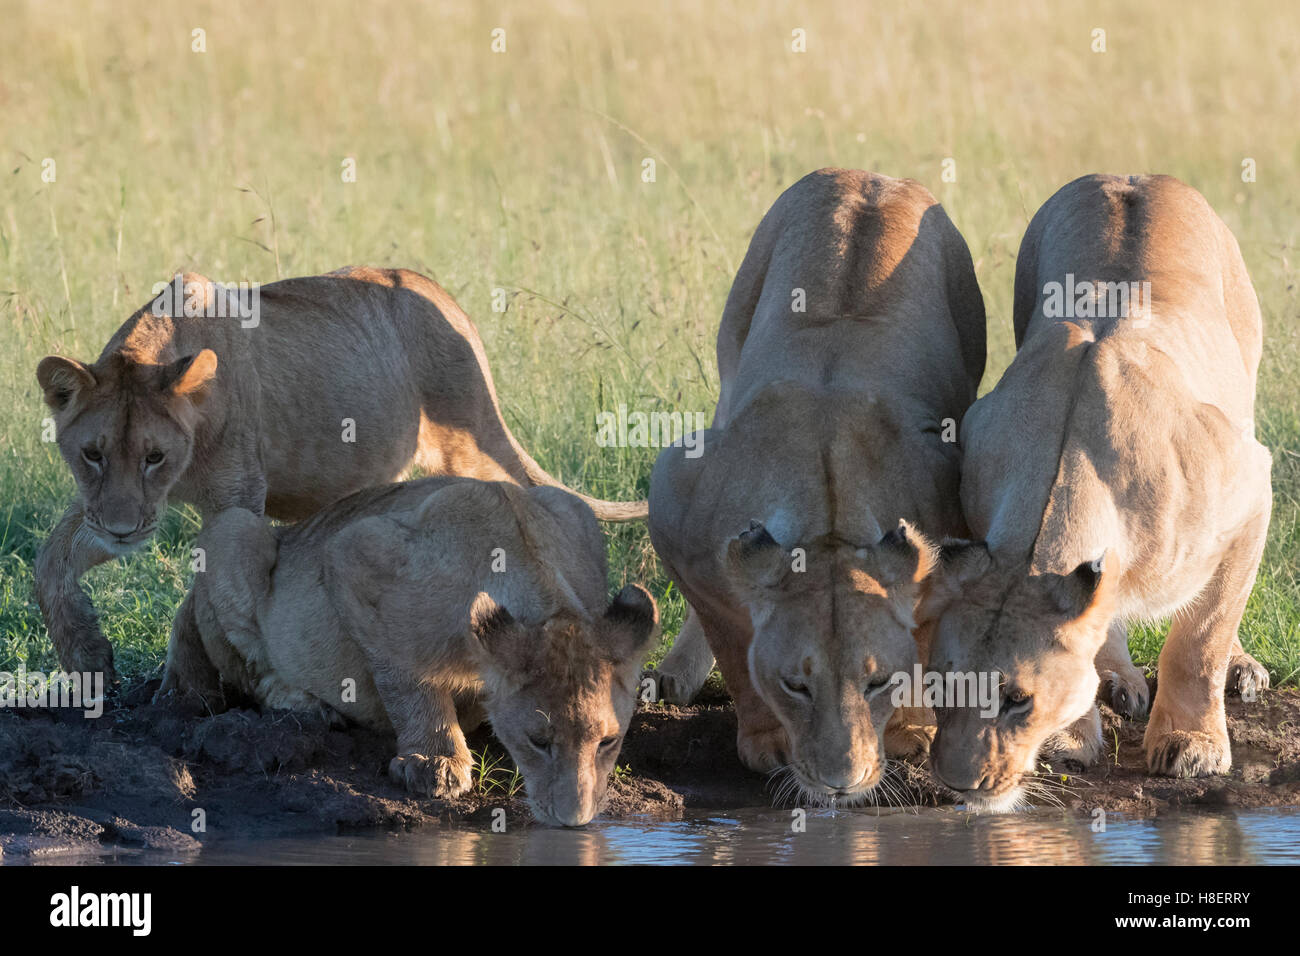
(767, 836)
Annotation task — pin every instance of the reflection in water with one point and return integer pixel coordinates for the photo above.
(766, 836)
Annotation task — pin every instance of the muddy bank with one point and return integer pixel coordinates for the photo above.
(144, 777)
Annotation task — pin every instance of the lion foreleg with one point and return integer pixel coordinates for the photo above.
(433, 757)
(1123, 685)
(1188, 732)
(687, 666)
(68, 553)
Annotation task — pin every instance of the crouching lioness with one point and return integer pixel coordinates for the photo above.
(851, 345)
(397, 603)
(1113, 475)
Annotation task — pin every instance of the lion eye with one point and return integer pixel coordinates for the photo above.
(795, 689)
(1017, 701)
(154, 458)
(540, 743)
(91, 454)
(876, 685)
(609, 742)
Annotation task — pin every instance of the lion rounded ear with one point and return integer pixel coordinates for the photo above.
(634, 624)
(905, 553)
(494, 630)
(189, 377)
(62, 380)
(958, 564)
(1077, 592)
(757, 556)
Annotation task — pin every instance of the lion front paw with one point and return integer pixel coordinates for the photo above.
(1188, 753)
(765, 750)
(910, 732)
(676, 689)
(439, 776)
(1246, 676)
(91, 654)
(1126, 691)
(1078, 746)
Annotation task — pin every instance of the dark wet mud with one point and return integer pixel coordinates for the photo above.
(144, 777)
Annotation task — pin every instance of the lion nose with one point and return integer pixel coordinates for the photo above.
(120, 528)
(575, 815)
(844, 781)
(954, 774)
(574, 806)
(119, 516)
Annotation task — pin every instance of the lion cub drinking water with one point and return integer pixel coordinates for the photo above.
(1113, 475)
(397, 603)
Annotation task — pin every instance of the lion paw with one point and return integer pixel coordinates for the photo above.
(909, 735)
(1126, 691)
(1188, 753)
(189, 701)
(431, 776)
(765, 750)
(1077, 746)
(92, 657)
(1246, 676)
(671, 688)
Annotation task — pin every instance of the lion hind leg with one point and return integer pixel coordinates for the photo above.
(190, 671)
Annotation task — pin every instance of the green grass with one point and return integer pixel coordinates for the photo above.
(522, 171)
(495, 773)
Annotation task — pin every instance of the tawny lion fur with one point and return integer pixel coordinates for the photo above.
(1112, 476)
(851, 344)
(397, 604)
(345, 381)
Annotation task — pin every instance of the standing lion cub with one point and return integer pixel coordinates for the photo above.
(398, 604)
(1112, 476)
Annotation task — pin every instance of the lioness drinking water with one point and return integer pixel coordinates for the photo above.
(397, 603)
(336, 383)
(1112, 476)
(851, 344)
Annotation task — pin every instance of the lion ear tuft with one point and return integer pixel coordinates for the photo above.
(1077, 592)
(959, 563)
(905, 554)
(493, 629)
(756, 556)
(189, 377)
(634, 621)
(62, 380)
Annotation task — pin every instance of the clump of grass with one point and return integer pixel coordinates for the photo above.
(495, 774)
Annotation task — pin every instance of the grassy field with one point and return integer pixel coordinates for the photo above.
(523, 170)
